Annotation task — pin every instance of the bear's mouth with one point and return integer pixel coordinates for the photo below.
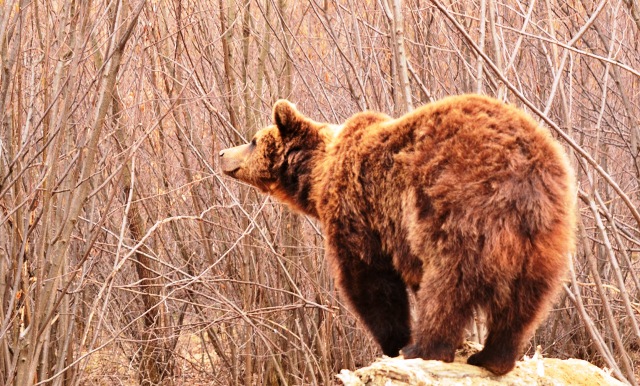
(229, 166)
(231, 172)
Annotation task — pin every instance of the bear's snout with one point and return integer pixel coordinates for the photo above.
(232, 158)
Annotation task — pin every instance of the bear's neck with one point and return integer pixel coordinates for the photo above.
(297, 187)
(301, 184)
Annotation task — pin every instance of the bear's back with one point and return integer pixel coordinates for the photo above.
(466, 172)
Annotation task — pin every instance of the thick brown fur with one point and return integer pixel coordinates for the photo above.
(468, 202)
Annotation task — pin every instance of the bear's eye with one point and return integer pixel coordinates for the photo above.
(254, 142)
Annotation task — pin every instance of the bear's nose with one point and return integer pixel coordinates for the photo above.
(221, 154)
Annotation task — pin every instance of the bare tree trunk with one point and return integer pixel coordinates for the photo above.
(285, 82)
(394, 14)
(481, 43)
(156, 362)
(634, 8)
(496, 43)
(227, 22)
(265, 46)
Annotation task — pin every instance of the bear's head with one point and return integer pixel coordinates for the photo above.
(281, 158)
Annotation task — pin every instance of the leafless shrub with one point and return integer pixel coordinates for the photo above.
(126, 257)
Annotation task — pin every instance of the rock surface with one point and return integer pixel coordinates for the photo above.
(534, 371)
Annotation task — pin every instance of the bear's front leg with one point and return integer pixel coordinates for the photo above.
(377, 293)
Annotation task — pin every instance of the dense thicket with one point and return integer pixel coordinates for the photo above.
(126, 256)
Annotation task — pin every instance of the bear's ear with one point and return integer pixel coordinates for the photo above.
(286, 117)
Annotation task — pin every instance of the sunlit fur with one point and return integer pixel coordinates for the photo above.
(468, 202)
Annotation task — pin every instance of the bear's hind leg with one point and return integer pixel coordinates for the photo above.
(510, 325)
(442, 315)
(379, 296)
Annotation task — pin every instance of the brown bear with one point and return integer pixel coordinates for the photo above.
(467, 202)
